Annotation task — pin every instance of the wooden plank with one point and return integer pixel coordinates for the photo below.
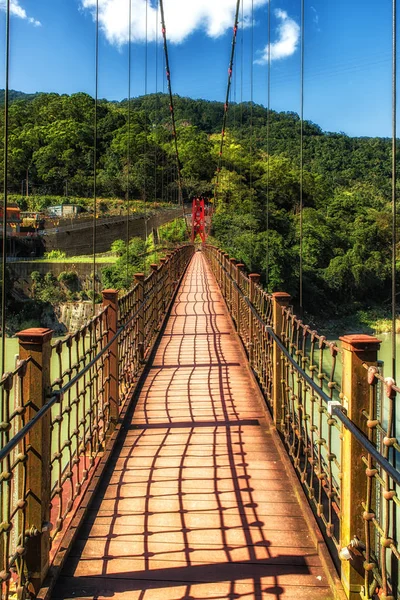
(196, 503)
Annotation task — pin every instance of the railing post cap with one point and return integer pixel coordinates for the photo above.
(109, 294)
(281, 296)
(358, 342)
(35, 335)
(139, 276)
(255, 277)
(154, 266)
(163, 260)
(233, 260)
(240, 266)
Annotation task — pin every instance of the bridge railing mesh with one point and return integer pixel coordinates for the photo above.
(335, 412)
(59, 408)
(80, 417)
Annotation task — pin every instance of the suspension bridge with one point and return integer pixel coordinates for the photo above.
(196, 439)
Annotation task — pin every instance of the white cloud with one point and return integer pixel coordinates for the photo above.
(287, 42)
(182, 18)
(17, 11)
(315, 17)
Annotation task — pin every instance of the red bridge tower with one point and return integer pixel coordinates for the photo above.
(198, 219)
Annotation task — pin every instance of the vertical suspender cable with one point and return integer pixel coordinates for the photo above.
(251, 93)
(268, 145)
(95, 155)
(171, 108)
(164, 184)
(301, 158)
(5, 201)
(226, 105)
(241, 86)
(128, 161)
(394, 181)
(145, 105)
(156, 91)
(394, 244)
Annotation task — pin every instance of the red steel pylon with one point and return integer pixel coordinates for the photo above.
(198, 219)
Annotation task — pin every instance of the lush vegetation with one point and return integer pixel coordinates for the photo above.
(346, 184)
(105, 207)
(138, 255)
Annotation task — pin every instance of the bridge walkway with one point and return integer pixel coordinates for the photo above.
(195, 503)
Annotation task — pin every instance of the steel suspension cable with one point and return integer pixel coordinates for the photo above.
(145, 105)
(5, 196)
(301, 158)
(241, 88)
(128, 163)
(156, 91)
(394, 180)
(394, 247)
(226, 105)
(171, 108)
(268, 139)
(165, 165)
(95, 156)
(251, 93)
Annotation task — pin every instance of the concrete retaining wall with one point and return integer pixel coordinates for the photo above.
(78, 239)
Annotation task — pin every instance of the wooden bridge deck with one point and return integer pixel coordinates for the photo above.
(195, 503)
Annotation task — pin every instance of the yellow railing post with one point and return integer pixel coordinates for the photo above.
(139, 280)
(219, 267)
(254, 278)
(162, 293)
(232, 272)
(279, 300)
(154, 299)
(357, 349)
(239, 269)
(168, 283)
(175, 268)
(110, 300)
(225, 279)
(36, 344)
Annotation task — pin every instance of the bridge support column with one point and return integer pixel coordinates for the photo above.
(163, 290)
(110, 300)
(139, 280)
(280, 300)
(170, 284)
(35, 344)
(220, 270)
(239, 269)
(232, 293)
(225, 277)
(357, 349)
(254, 279)
(217, 264)
(155, 297)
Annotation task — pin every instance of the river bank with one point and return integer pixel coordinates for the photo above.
(371, 321)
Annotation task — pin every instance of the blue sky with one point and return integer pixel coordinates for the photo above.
(347, 62)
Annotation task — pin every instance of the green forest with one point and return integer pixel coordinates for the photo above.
(346, 183)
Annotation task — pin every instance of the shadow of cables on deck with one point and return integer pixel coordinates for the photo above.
(181, 514)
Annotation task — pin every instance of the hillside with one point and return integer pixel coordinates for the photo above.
(346, 183)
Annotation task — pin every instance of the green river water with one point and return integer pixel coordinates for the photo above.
(385, 354)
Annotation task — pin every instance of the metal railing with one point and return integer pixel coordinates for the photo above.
(336, 422)
(59, 407)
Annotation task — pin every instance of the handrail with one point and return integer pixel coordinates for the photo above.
(54, 398)
(339, 412)
(66, 421)
(336, 410)
(328, 424)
